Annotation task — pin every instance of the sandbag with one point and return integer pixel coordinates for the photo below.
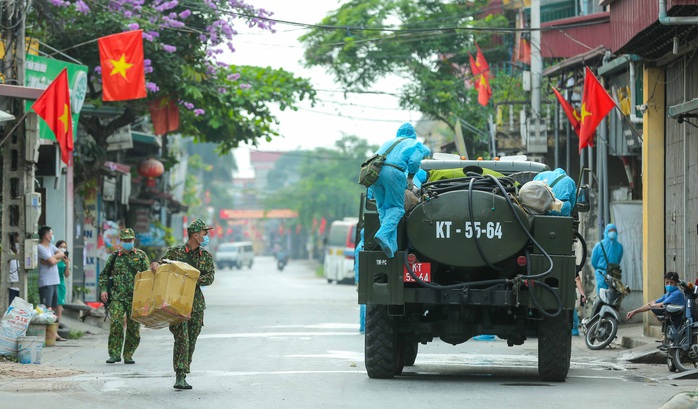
(14, 324)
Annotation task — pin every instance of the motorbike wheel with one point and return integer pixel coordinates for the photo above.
(670, 364)
(601, 333)
(685, 360)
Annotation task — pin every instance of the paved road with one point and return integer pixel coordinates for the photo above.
(291, 340)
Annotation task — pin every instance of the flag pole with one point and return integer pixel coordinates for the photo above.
(630, 124)
(14, 128)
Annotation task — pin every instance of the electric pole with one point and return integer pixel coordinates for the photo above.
(17, 170)
(536, 75)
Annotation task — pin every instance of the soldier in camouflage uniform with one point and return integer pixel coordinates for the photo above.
(122, 265)
(185, 333)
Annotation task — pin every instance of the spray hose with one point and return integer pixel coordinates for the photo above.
(478, 182)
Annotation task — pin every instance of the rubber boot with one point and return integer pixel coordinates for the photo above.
(181, 382)
(112, 360)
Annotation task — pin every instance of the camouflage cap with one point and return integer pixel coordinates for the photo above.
(196, 226)
(127, 234)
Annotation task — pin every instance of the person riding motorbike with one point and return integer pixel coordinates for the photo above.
(281, 259)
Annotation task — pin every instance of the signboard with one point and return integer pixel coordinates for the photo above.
(90, 234)
(121, 139)
(41, 71)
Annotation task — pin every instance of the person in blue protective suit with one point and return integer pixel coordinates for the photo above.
(613, 254)
(397, 173)
(564, 189)
(419, 178)
(362, 307)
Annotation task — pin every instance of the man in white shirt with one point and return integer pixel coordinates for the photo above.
(49, 256)
(14, 268)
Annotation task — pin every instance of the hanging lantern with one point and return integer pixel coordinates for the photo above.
(151, 169)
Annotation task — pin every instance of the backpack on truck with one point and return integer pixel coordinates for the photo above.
(372, 166)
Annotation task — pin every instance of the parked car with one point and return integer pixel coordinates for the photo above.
(234, 255)
(339, 251)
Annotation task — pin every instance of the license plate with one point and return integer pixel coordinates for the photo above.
(421, 270)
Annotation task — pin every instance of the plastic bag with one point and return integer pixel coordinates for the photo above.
(538, 198)
(43, 316)
(14, 324)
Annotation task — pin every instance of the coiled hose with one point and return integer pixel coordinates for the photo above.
(484, 183)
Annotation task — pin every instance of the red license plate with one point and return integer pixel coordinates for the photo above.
(421, 270)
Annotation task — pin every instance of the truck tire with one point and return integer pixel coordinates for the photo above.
(410, 352)
(554, 348)
(382, 357)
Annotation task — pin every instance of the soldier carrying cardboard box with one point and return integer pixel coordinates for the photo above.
(185, 333)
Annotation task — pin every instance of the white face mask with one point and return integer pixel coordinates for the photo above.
(63, 249)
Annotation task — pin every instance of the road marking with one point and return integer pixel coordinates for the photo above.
(270, 335)
(326, 325)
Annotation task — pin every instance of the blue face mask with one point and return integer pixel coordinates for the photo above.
(205, 242)
(612, 235)
(670, 288)
(53, 238)
(127, 246)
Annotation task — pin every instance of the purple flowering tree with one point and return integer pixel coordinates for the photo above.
(183, 43)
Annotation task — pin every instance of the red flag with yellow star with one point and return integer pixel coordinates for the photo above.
(484, 91)
(53, 106)
(121, 58)
(572, 114)
(596, 104)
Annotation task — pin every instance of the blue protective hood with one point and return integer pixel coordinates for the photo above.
(609, 227)
(406, 131)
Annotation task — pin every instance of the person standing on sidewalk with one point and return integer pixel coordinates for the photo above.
(14, 269)
(49, 257)
(607, 251)
(122, 267)
(186, 333)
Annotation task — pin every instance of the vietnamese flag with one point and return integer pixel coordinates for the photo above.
(484, 92)
(123, 73)
(481, 62)
(596, 104)
(473, 66)
(572, 114)
(53, 106)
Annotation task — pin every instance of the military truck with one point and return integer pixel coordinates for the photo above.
(471, 260)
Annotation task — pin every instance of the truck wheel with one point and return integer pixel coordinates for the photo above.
(410, 352)
(381, 343)
(554, 348)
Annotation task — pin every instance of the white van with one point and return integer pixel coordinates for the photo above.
(234, 255)
(339, 251)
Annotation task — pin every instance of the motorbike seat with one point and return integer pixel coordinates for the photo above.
(674, 309)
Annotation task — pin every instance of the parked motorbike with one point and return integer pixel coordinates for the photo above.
(683, 345)
(668, 316)
(281, 260)
(602, 326)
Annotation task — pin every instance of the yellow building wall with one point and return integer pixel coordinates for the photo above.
(653, 189)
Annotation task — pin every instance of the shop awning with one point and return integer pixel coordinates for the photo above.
(573, 63)
(146, 138)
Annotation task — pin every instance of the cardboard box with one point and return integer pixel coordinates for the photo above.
(165, 297)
